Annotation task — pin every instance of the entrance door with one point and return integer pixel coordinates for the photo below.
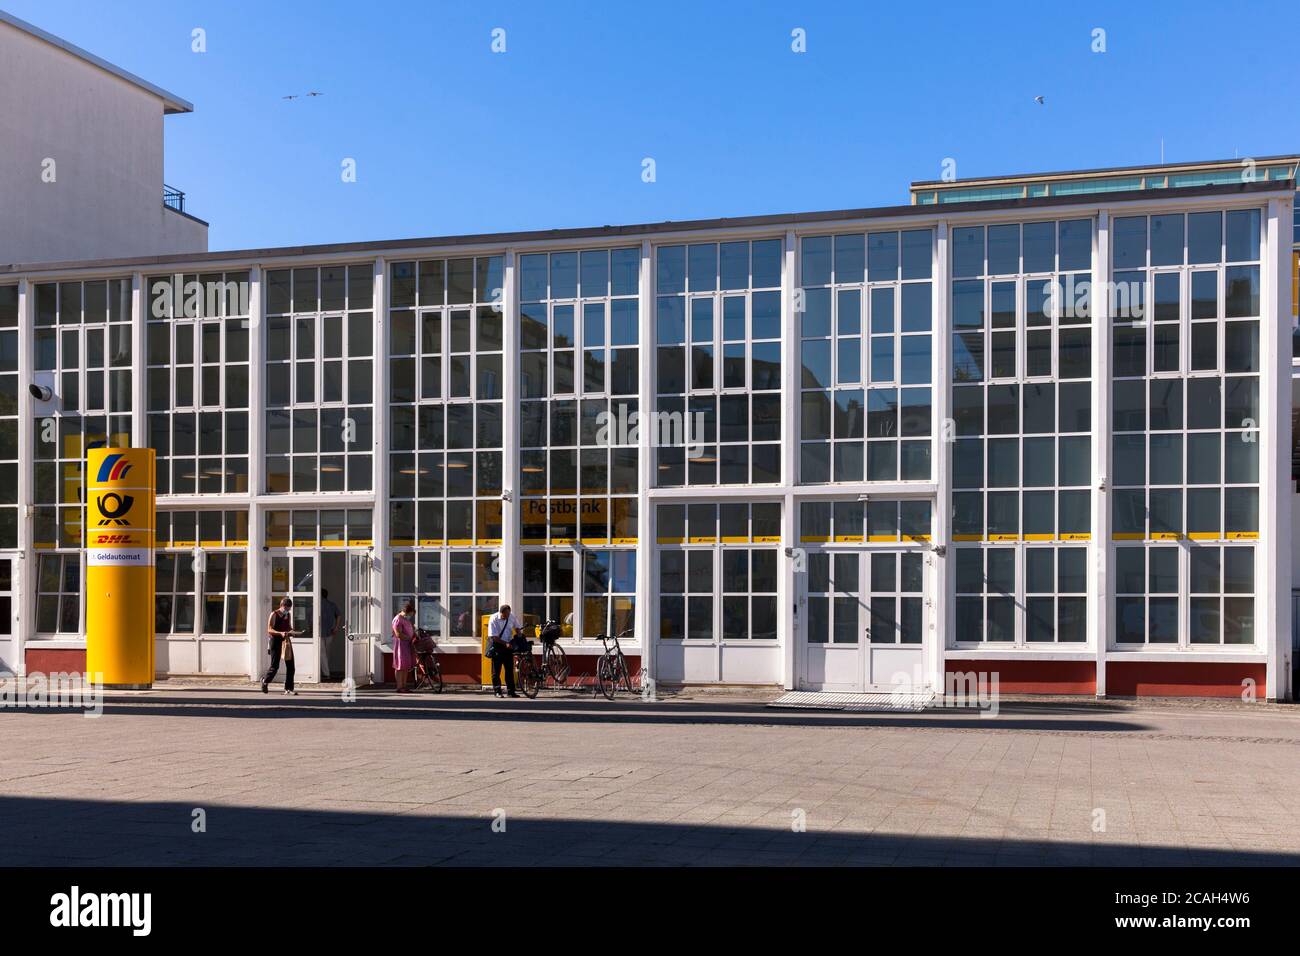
(294, 574)
(864, 620)
(8, 610)
(357, 621)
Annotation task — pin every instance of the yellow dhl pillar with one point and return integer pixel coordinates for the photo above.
(120, 488)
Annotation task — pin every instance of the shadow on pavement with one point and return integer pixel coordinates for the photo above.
(58, 832)
(581, 709)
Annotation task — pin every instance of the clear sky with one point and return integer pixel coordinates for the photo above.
(450, 137)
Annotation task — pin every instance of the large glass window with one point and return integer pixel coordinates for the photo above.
(1186, 377)
(866, 352)
(1216, 605)
(718, 363)
(320, 379)
(196, 346)
(8, 416)
(1034, 594)
(58, 594)
(879, 521)
(446, 354)
(1022, 425)
(82, 351)
(579, 338)
(713, 579)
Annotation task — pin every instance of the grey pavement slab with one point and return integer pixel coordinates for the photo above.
(694, 780)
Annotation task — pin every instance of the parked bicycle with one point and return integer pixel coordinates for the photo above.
(612, 670)
(530, 675)
(428, 672)
(555, 663)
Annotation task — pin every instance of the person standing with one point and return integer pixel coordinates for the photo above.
(403, 650)
(501, 631)
(329, 625)
(279, 628)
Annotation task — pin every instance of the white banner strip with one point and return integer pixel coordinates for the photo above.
(119, 557)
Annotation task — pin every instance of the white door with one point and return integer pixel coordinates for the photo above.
(894, 596)
(833, 634)
(294, 575)
(863, 620)
(357, 624)
(8, 616)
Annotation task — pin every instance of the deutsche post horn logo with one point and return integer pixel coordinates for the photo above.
(112, 506)
(114, 467)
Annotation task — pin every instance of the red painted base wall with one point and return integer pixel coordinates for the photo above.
(1182, 679)
(49, 660)
(1033, 677)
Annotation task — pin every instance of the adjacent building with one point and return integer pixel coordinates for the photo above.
(81, 172)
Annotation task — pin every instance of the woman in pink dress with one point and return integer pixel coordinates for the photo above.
(403, 649)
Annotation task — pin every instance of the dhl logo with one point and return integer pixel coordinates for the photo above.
(101, 539)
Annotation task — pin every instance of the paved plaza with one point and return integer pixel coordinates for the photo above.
(694, 779)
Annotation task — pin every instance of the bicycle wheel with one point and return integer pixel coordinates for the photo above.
(530, 681)
(605, 678)
(558, 664)
(436, 675)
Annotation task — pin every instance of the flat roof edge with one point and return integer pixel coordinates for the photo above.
(181, 212)
(413, 245)
(1104, 170)
(171, 102)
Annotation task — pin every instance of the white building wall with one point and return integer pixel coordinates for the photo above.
(81, 171)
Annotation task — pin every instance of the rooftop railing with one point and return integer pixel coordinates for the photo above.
(173, 198)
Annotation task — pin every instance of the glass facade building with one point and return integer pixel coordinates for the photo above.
(1032, 435)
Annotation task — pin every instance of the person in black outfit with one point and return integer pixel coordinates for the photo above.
(279, 628)
(502, 629)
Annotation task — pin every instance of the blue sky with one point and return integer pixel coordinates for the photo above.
(449, 137)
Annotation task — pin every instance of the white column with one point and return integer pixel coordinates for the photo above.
(1275, 487)
(139, 362)
(1100, 605)
(645, 616)
(259, 596)
(789, 623)
(510, 580)
(26, 582)
(380, 568)
(941, 592)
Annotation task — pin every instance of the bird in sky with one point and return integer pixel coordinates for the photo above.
(298, 96)
(1039, 100)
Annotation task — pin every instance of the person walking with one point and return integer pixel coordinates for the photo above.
(403, 649)
(279, 628)
(329, 625)
(501, 632)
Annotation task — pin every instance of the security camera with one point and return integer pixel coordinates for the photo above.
(42, 393)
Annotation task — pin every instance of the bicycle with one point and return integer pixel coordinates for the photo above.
(612, 669)
(529, 678)
(555, 663)
(428, 672)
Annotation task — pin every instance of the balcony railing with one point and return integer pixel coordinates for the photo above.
(173, 198)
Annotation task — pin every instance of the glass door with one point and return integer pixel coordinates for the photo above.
(357, 625)
(8, 609)
(896, 607)
(835, 622)
(865, 617)
(294, 574)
